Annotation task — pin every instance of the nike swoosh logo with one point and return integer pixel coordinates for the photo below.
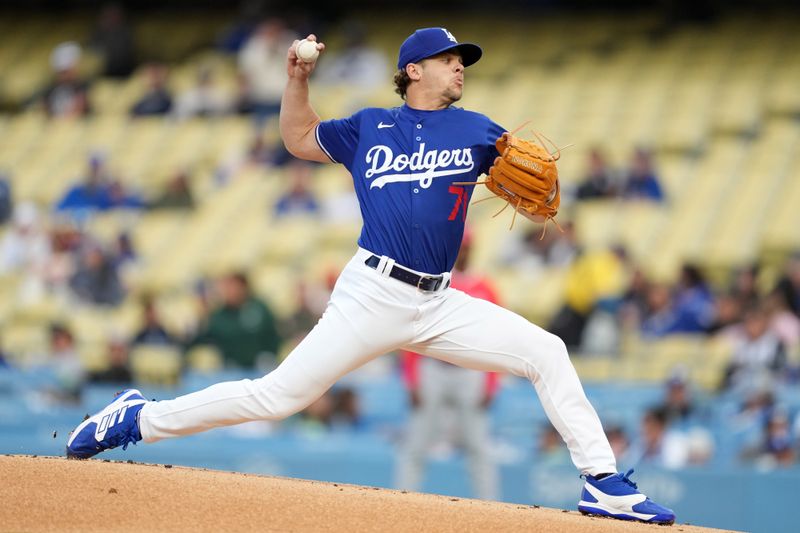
(381, 125)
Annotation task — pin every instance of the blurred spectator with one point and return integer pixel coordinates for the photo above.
(777, 446)
(6, 199)
(531, 251)
(316, 417)
(658, 317)
(262, 62)
(203, 99)
(113, 38)
(258, 153)
(158, 99)
(177, 195)
(310, 305)
(551, 450)
(694, 302)
(63, 360)
(594, 280)
(634, 304)
(124, 252)
(690, 310)
(25, 247)
(657, 445)
(235, 35)
(118, 371)
(641, 181)
(728, 312)
(678, 406)
(338, 409)
(121, 197)
(700, 446)
(25, 251)
(789, 284)
(96, 280)
(152, 330)
(436, 385)
(745, 286)
(346, 408)
(599, 180)
(243, 103)
(242, 327)
(758, 351)
(782, 322)
(65, 243)
(757, 403)
(68, 95)
(298, 199)
(93, 194)
(619, 441)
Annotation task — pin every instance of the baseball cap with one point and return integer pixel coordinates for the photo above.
(427, 42)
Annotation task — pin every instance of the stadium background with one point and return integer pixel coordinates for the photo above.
(712, 93)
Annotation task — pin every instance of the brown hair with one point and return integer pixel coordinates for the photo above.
(401, 82)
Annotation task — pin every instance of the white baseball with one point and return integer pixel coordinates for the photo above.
(307, 51)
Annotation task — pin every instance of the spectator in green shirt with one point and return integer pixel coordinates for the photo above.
(242, 327)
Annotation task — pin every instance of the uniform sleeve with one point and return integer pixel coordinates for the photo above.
(339, 138)
(493, 132)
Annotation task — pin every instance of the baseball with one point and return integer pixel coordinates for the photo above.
(307, 51)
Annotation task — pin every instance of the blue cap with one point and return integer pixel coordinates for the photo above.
(428, 42)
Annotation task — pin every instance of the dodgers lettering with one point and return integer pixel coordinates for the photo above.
(404, 177)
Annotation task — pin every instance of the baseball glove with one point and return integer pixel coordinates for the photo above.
(526, 177)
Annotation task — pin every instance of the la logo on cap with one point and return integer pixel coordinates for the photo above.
(449, 35)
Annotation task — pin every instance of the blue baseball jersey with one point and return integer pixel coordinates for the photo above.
(404, 163)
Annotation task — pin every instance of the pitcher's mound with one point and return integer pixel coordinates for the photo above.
(54, 494)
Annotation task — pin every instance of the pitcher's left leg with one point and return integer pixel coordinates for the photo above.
(477, 334)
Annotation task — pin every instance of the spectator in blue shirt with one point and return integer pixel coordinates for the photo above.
(92, 195)
(298, 199)
(642, 182)
(690, 310)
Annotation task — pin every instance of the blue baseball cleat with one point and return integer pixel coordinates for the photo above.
(116, 425)
(616, 496)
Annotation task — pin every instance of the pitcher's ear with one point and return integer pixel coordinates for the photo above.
(414, 71)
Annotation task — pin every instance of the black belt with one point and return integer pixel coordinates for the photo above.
(425, 283)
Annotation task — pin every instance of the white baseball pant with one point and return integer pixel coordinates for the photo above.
(370, 314)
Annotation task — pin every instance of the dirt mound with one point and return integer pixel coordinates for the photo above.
(54, 494)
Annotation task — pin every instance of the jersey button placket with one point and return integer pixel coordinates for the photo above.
(418, 138)
(415, 225)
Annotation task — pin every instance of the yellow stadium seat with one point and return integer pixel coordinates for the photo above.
(159, 365)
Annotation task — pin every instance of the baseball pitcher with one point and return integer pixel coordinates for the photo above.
(414, 168)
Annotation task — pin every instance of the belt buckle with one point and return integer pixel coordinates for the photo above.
(438, 283)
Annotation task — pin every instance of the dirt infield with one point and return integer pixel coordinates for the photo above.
(54, 494)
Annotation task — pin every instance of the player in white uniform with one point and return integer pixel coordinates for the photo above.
(394, 293)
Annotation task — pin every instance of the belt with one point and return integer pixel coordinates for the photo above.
(425, 283)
